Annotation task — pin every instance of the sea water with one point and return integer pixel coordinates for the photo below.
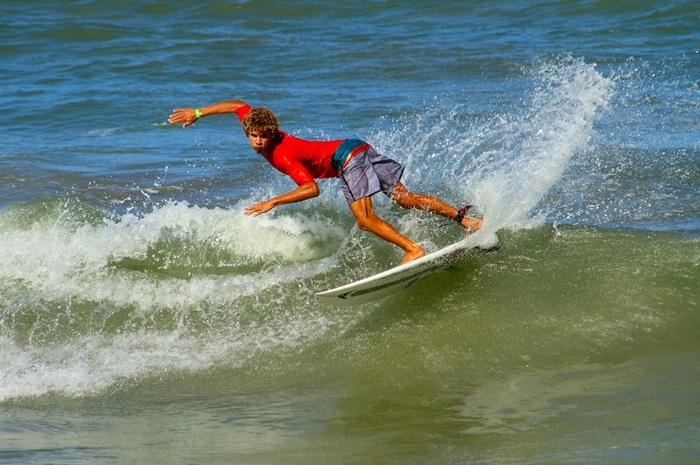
(145, 319)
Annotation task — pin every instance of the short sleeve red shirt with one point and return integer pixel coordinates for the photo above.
(302, 160)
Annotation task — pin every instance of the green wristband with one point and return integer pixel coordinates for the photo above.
(197, 114)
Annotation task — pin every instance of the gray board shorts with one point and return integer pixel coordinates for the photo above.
(367, 173)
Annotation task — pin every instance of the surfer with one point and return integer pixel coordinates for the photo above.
(362, 171)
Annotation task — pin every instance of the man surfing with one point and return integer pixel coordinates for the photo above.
(362, 171)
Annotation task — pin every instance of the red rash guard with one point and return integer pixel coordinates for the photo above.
(302, 160)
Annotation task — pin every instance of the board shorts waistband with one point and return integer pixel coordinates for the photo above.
(346, 151)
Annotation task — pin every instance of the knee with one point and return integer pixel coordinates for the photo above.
(368, 221)
(363, 223)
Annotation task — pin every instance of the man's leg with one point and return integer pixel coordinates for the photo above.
(368, 221)
(409, 200)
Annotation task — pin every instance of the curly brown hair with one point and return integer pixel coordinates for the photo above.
(260, 119)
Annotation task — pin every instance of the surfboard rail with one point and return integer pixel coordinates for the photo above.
(400, 277)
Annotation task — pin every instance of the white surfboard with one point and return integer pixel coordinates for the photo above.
(404, 276)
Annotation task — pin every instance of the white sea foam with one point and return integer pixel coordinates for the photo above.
(62, 265)
(538, 146)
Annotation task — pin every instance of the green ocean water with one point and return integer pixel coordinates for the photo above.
(144, 319)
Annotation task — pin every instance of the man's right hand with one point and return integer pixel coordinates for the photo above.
(183, 115)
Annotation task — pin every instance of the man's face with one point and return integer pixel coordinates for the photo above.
(261, 141)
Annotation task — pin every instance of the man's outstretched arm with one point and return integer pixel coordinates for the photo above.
(188, 116)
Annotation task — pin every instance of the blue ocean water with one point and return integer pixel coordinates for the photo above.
(145, 319)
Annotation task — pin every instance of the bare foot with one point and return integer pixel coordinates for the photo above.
(412, 255)
(471, 225)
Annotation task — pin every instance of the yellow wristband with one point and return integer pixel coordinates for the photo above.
(197, 114)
